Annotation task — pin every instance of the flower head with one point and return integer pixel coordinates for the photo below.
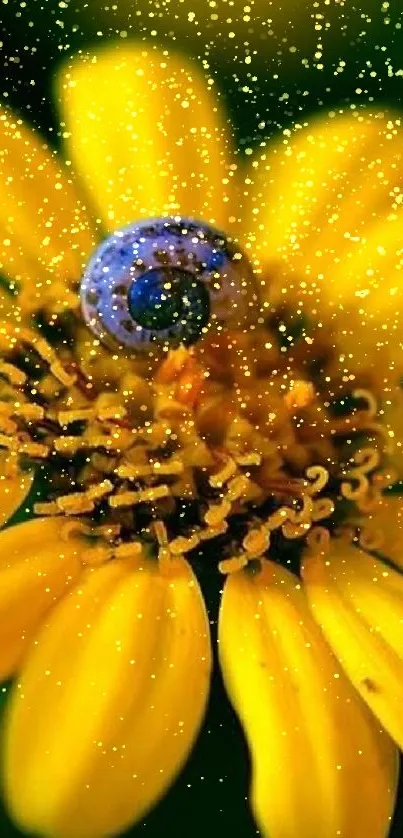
(221, 388)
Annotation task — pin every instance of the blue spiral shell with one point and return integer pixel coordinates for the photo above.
(166, 281)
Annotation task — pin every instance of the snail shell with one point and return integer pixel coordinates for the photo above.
(166, 281)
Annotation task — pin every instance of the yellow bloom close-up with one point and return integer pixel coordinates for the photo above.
(201, 355)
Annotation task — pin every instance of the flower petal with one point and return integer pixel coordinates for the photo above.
(147, 136)
(43, 224)
(13, 488)
(36, 568)
(358, 602)
(320, 763)
(325, 222)
(109, 703)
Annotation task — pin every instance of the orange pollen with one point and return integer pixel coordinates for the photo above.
(301, 394)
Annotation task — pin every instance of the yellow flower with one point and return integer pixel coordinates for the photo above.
(266, 448)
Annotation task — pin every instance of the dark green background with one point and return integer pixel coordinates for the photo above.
(210, 796)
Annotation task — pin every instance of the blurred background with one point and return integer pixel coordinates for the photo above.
(276, 63)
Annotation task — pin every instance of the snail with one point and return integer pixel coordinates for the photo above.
(166, 282)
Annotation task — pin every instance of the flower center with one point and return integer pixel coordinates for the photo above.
(253, 438)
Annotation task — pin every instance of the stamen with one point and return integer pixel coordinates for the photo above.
(75, 527)
(318, 477)
(370, 538)
(256, 542)
(181, 545)
(350, 493)
(166, 468)
(7, 426)
(300, 395)
(217, 513)
(118, 441)
(382, 431)
(22, 446)
(154, 493)
(49, 388)
(286, 438)
(238, 488)
(367, 396)
(34, 449)
(15, 376)
(292, 531)
(278, 518)
(106, 531)
(103, 463)
(96, 555)
(61, 374)
(221, 477)
(128, 550)
(44, 350)
(41, 346)
(322, 508)
(384, 478)
(190, 385)
(318, 540)
(367, 459)
(304, 514)
(250, 458)
(346, 532)
(75, 504)
(143, 496)
(352, 424)
(99, 490)
(67, 417)
(31, 412)
(233, 565)
(166, 407)
(160, 532)
(173, 365)
(69, 445)
(129, 472)
(214, 530)
(47, 508)
(6, 408)
(196, 455)
(10, 467)
(165, 555)
(370, 500)
(111, 412)
(123, 499)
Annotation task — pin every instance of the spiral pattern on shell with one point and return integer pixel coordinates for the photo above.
(166, 282)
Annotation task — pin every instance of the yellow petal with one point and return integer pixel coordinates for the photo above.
(36, 568)
(324, 223)
(109, 703)
(13, 488)
(43, 224)
(358, 602)
(320, 763)
(147, 136)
